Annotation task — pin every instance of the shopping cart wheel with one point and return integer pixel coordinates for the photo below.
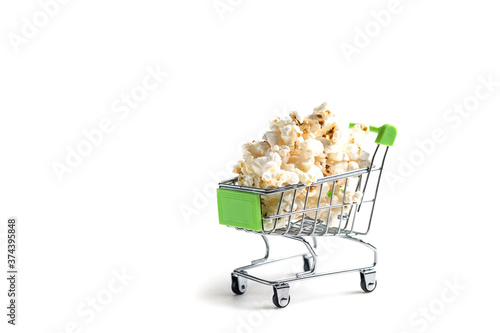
(307, 263)
(238, 284)
(281, 297)
(368, 280)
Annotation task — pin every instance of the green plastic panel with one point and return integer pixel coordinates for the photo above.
(239, 209)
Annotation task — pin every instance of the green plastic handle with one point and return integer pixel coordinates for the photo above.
(386, 134)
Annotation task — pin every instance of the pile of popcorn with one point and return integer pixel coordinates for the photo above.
(302, 150)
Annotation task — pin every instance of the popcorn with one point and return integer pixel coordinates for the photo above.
(290, 134)
(303, 150)
(356, 198)
(351, 166)
(336, 153)
(310, 148)
(272, 138)
(358, 134)
(340, 167)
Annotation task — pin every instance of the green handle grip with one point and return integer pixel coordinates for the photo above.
(386, 134)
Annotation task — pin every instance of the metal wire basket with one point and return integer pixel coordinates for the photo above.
(242, 207)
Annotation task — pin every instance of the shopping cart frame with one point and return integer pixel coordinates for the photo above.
(308, 227)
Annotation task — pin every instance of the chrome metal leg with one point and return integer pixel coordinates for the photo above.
(311, 250)
(256, 261)
(368, 245)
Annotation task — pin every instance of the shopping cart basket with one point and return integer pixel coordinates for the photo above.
(240, 207)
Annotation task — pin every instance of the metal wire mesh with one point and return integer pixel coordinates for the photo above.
(313, 210)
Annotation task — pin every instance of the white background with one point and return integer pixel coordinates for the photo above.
(229, 74)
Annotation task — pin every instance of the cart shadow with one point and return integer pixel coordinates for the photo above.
(220, 294)
(260, 296)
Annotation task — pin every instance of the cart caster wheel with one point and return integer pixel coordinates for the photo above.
(307, 263)
(368, 281)
(281, 297)
(238, 284)
(275, 301)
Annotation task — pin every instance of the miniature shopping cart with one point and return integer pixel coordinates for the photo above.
(241, 207)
